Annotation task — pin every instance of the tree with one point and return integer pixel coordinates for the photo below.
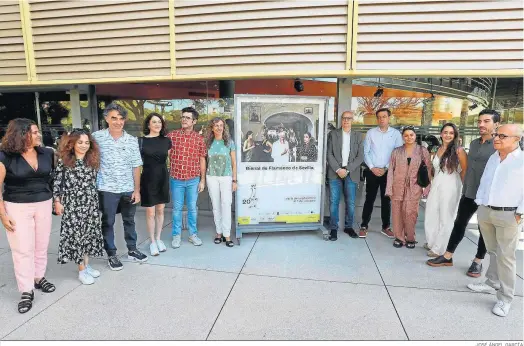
(401, 105)
(136, 107)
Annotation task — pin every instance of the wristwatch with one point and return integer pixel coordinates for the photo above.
(234, 181)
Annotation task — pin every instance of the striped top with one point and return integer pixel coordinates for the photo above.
(118, 157)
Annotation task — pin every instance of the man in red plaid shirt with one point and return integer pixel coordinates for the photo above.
(188, 174)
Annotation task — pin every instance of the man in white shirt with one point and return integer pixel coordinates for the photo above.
(378, 146)
(501, 203)
(345, 153)
(280, 152)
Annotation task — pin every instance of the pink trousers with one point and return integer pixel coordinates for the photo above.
(405, 214)
(29, 241)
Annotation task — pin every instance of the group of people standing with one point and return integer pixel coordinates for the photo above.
(99, 175)
(489, 179)
(286, 148)
(96, 176)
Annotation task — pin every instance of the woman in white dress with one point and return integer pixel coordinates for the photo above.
(449, 169)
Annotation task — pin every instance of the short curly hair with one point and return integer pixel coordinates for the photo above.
(18, 136)
(115, 107)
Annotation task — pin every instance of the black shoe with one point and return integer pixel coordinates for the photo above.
(333, 235)
(475, 270)
(136, 255)
(440, 261)
(114, 263)
(351, 232)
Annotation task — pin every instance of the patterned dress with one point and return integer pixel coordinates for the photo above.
(81, 230)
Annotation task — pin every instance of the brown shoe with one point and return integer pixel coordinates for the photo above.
(363, 232)
(388, 233)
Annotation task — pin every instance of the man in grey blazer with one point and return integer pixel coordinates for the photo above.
(345, 154)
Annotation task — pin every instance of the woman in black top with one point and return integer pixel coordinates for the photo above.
(25, 208)
(308, 151)
(154, 182)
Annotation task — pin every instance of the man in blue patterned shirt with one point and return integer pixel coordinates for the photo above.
(118, 183)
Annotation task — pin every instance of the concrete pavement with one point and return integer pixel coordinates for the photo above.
(275, 286)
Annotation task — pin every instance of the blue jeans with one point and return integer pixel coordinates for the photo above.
(349, 188)
(187, 189)
(109, 204)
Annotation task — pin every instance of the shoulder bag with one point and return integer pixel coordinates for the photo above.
(422, 174)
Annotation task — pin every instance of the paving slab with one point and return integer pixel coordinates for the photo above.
(306, 255)
(64, 277)
(439, 315)
(141, 302)
(208, 256)
(265, 308)
(407, 267)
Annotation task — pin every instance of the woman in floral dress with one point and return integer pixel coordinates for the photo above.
(76, 198)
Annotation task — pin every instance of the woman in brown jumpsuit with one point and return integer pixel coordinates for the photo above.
(403, 189)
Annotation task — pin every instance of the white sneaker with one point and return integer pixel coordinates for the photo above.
(93, 272)
(161, 246)
(481, 287)
(85, 278)
(501, 308)
(176, 241)
(153, 248)
(195, 240)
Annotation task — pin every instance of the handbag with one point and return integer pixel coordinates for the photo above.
(422, 174)
(61, 189)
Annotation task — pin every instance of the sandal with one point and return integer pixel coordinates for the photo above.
(410, 244)
(26, 302)
(45, 286)
(220, 239)
(398, 243)
(229, 243)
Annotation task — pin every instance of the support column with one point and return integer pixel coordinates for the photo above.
(344, 97)
(93, 108)
(74, 96)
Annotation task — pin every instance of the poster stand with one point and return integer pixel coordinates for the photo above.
(241, 225)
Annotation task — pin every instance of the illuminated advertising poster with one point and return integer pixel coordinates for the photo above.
(280, 142)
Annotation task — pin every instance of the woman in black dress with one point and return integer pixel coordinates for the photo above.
(154, 182)
(308, 151)
(76, 198)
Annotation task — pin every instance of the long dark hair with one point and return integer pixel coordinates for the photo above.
(449, 161)
(18, 136)
(211, 136)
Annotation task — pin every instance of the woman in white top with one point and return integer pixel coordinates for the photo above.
(449, 170)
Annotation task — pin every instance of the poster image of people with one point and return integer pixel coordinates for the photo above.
(280, 169)
(279, 132)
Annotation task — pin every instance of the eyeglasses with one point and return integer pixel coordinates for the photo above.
(347, 118)
(502, 136)
(186, 118)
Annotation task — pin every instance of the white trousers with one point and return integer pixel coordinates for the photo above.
(441, 210)
(221, 194)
